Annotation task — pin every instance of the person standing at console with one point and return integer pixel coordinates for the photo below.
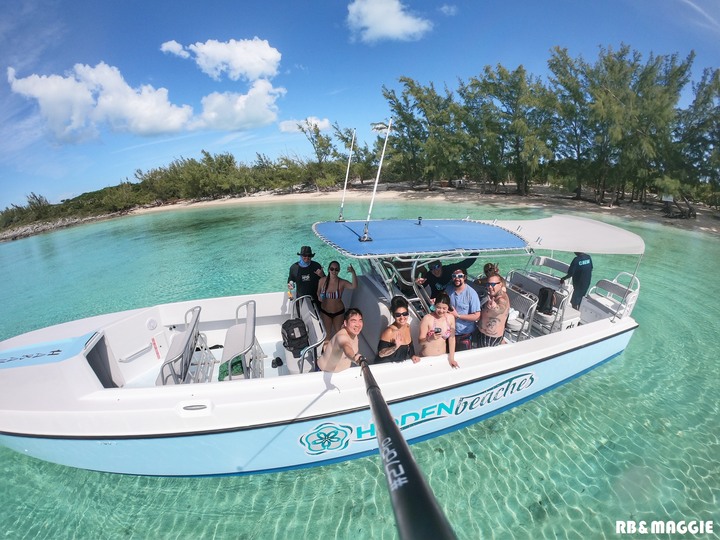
(305, 275)
(580, 271)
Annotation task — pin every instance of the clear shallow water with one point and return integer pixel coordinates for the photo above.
(638, 438)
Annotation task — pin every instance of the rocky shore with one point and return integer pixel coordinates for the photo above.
(46, 226)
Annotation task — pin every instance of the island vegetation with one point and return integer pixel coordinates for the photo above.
(612, 127)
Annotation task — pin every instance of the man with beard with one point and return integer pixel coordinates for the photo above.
(494, 313)
(466, 310)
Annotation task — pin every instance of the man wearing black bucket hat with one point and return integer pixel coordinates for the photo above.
(305, 274)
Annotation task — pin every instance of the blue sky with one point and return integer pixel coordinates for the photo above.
(94, 90)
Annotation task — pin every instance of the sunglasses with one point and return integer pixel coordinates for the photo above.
(334, 269)
(493, 284)
(401, 314)
(458, 276)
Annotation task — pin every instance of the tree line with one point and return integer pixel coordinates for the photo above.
(613, 127)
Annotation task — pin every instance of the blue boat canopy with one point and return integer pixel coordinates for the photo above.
(415, 238)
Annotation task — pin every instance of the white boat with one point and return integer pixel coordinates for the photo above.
(137, 392)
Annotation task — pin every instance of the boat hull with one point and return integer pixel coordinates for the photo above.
(479, 389)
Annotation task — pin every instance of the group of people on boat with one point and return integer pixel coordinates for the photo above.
(464, 315)
(307, 278)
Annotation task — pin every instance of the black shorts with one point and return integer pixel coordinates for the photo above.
(488, 341)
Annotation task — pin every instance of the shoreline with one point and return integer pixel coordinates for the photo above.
(707, 221)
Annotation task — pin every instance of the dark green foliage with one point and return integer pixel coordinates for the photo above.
(613, 126)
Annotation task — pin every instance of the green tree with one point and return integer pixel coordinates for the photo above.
(322, 148)
(698, 133)
(573, 131)
(522, 108)
(408, 135)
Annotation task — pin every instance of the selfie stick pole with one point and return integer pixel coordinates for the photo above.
(417, 513)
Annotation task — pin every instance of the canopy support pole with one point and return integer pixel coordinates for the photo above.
(366, 237)
(347, 174)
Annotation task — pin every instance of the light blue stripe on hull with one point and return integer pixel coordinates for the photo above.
(318, 441)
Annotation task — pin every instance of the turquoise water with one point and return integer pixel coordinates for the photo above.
(637, 439)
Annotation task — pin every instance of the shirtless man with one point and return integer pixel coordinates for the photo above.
(494, 313)
(342, 351)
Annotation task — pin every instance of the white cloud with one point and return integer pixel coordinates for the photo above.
(65, 103)
(448, 10)
(376, 20)
(232, 111)
(74, 105)
(173, 47)
(291, 126)
(249, 59)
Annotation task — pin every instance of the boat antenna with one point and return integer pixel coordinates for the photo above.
(347, 173)
(366, 237)
(417, 512)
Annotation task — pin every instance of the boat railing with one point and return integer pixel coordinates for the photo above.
(304, 308)
(524, 303)
(608, 299)
(413, 291)
(543, 262)
(241, 343)
(561, 316)
(182, 364)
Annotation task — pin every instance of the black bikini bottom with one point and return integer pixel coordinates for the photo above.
(333, 315)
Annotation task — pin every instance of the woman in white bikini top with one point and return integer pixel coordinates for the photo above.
(437, 331)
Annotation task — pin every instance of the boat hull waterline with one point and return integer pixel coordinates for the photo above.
(324, 439)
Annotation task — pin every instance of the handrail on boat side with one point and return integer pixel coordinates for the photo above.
(137, 354)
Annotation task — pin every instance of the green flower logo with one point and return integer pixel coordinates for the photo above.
(326, 437)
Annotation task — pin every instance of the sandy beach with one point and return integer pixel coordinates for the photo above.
(707, 221)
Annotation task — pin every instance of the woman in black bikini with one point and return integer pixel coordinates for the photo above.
(330, 291)
(396, 343)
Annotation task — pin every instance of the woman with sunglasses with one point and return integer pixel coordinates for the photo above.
(396, 342)
(437, 330)
(330, 291)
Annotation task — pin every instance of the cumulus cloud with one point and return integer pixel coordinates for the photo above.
(173, 47)
(231, 111)
(377, 20)
(76, 106)
(291, 126)
(448, 10)
(248, 59)
(64, 102)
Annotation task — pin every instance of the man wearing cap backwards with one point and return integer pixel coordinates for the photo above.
(438, 277)
(305, 274)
